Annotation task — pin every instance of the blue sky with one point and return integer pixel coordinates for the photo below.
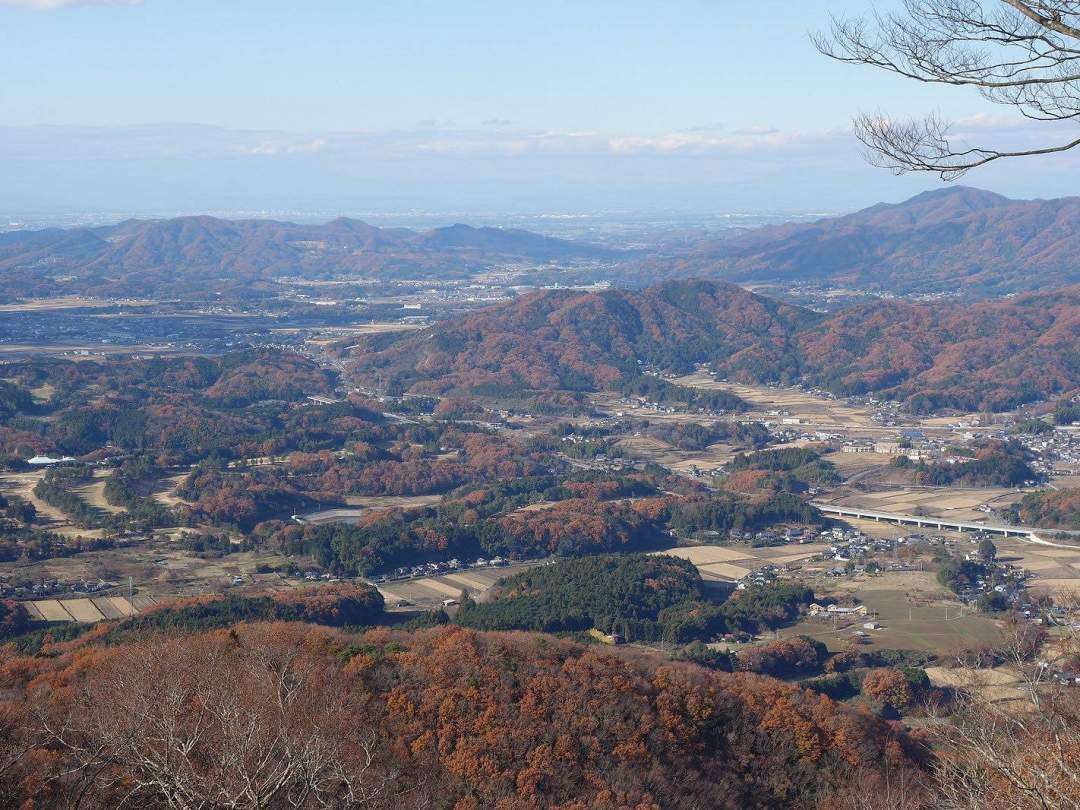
(452, 105)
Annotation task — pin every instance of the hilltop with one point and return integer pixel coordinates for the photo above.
(590, 340)
(956, 239)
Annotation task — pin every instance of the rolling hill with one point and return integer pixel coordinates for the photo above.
(587, 341)
(957, 239)
(980, 355)
(186, 254)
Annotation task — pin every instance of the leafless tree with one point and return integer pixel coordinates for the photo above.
(215, 723)
(994, 751)
(1023, 54)
(993, 755)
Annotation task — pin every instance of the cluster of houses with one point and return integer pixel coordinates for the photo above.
(766, 574)
(1003, 578)
(433, 569)
(27, 589)
(1056, 453)
(853, 551)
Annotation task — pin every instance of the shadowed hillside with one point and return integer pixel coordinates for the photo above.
(950, 240)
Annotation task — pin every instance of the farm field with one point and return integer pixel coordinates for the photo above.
(945, 502)
(88, 351)
(87, 610)
(732, 562)
(1056, 570)
(157, 569)
(813, 411)
(659, 452)
(429, 592)
(999, 685)
(331, 334)
(849, 464)
(1067, 481)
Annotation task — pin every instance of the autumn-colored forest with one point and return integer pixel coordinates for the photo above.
(276, 715)
(992, 355)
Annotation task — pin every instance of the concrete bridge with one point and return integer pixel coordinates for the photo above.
(924, 521)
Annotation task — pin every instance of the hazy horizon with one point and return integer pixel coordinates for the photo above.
(454, 111)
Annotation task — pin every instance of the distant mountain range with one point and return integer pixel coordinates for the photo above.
(992, 355)
(174, 256)
(953, 240)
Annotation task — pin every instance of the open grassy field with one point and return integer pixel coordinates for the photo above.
(387, 501)
(48, 516)
(360, 504)
(910, 619)
(94, 493)
(165, 492)
(22, 485)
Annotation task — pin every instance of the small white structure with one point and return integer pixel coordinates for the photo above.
(44, 461)
(837, 610)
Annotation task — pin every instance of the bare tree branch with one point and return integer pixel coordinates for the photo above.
(1023, 54)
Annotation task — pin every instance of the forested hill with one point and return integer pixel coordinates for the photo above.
(995, 354)
(438, 718)
(175, 256)
(955, 239)
(981, 355)
(588, 341)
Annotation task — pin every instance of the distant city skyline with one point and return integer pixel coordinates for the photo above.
(463, 107)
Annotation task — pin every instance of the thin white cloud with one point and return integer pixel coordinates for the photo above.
(698, 142)
(360, 147)
(284, 147)
(52, 5)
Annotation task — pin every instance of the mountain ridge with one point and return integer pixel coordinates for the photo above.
(958, 240)
(151, 257)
